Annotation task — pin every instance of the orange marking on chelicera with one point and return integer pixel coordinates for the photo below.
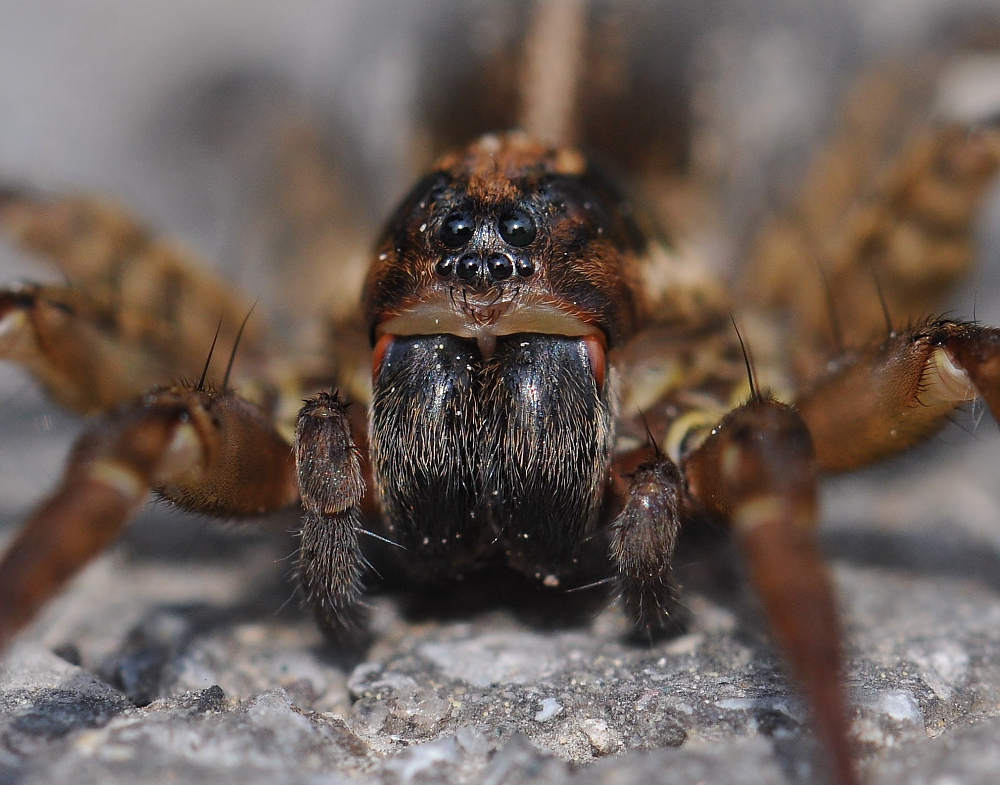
(598, 356)
(381, 347)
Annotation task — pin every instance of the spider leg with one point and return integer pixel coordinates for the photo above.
(135, 311)
(62, 338)
(758, 471)
(207, 451)
(878, 401)
(891, 197)
(100, 247)
(332, 488)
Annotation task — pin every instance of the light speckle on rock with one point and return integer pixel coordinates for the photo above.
(602, 737)
(901, 706)
(550, 708)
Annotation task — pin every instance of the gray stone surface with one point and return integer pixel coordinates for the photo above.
(193, 672)
(179, 658)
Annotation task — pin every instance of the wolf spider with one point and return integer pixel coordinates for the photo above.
(554, 382)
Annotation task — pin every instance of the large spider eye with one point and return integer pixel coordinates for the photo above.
(456, 230)
(517, 228)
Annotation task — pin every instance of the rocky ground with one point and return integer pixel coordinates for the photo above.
(184, 662)
(182, 656)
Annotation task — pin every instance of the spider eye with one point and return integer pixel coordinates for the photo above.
(500, 266)
(524, 266)
(445, 266)
(517, 228)
(468, 267)
(456, 230)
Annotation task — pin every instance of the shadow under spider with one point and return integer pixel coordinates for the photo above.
(944, 555)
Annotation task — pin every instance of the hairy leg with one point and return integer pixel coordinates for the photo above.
(207, 451)
(884, 220)
(880, 400)
(758, 471)
(136, 308)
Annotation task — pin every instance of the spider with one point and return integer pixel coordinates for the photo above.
(552, 383)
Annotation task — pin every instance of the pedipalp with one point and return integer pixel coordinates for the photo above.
(332, 488)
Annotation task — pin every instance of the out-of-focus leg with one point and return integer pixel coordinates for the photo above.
(758, 471)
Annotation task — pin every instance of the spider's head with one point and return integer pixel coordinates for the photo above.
(507, 236)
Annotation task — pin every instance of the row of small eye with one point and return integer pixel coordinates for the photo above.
(516, 228)
(499, 266)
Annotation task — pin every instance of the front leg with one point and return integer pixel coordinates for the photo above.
(210, 452)
(757, 470)
(881, 400)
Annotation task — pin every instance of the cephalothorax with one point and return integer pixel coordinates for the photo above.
(497, 324)
(553, 386)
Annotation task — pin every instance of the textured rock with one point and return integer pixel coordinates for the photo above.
(492, 698)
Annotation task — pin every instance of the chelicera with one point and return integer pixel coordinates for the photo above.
(553, 386)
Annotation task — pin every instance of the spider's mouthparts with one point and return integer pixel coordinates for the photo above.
(491, 465)
(487, 320)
